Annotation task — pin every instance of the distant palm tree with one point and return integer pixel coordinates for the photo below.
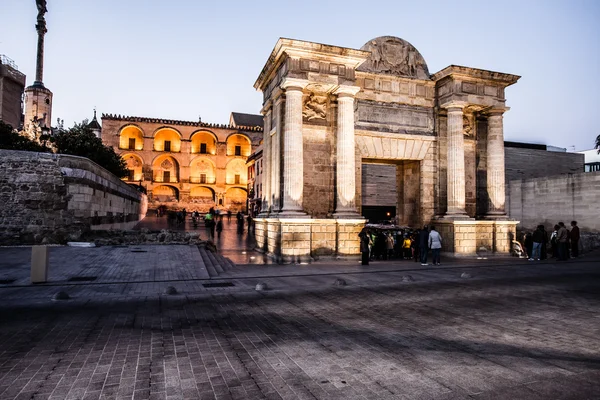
(598, 144)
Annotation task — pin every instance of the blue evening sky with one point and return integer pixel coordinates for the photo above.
(181, 59)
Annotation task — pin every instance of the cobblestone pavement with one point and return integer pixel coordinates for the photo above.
(472, 330)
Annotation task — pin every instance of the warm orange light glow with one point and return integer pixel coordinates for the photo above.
(204, 137)
(128, 134)
(239, 140)
(167, 135)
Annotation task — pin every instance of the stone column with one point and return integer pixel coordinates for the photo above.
(345, 206)
(495, 164)
(293, 155)
(39, 67)
(266, 171)
(456, 161)
(276, 151)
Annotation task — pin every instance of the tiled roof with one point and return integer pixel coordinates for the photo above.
(241, 119)
(119, 117)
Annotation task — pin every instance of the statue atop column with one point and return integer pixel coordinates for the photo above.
(42, 10)
(41, 30)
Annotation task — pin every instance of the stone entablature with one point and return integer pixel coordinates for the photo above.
(184, 164)
(329, 109)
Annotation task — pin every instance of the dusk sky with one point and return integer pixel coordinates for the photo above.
(184, 59)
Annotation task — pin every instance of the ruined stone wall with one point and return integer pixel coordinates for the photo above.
(558, 198)
(52, 198)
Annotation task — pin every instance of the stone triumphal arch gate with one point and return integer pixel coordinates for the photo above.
(328, 109)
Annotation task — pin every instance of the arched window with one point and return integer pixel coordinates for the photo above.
(131, 138)
(202, 170)
(236, 172)
(134, 164)
(204, 142)
(239, 145)
(165, 169)
(167, 139)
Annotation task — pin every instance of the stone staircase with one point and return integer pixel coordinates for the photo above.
(216, 264)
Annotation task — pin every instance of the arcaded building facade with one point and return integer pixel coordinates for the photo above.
(184, 164)
(332, 111)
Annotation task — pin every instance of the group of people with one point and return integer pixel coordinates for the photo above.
(564, 243)
(213, 221)
(376, 244)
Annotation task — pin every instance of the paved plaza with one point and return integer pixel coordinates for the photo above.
(470, 329)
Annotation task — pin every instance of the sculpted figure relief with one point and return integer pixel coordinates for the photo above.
(467, 127)
(394, 56)
(315, 108)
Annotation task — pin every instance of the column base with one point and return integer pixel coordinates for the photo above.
(456, 217)
(496, 215)
(350, 214)
(291, 214)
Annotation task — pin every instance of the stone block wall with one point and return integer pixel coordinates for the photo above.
(470, 237)
(557, 198)
(304, 239)
(319, 172)
(54, 198)
(526, 163)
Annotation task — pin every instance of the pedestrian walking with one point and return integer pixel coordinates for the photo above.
(423, 239)
(220, 227)
(435, 244)
(574, 239)
(240, 222)
(209, 224)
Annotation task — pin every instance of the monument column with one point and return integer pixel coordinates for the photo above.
(456, 161)
(495, 164)
(345, 206)
(278, 102)
(293, 155)
(266, 193)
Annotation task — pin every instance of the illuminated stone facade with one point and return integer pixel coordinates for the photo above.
(184, 164)
(330, 110)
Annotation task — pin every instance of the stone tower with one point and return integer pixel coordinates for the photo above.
(95, 126)
(38, 98)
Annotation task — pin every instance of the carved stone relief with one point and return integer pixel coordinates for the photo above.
(467, 126)
(315, 108)
(394, 56)
(166, 164)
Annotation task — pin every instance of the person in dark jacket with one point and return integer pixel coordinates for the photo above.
(538, 238)
(364, 246)
(563, 242)
(544, 253)
(574, 239)
(423, 238)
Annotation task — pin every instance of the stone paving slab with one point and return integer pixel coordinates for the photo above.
(510, 331)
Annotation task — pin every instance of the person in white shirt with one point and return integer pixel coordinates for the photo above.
(435, 244)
